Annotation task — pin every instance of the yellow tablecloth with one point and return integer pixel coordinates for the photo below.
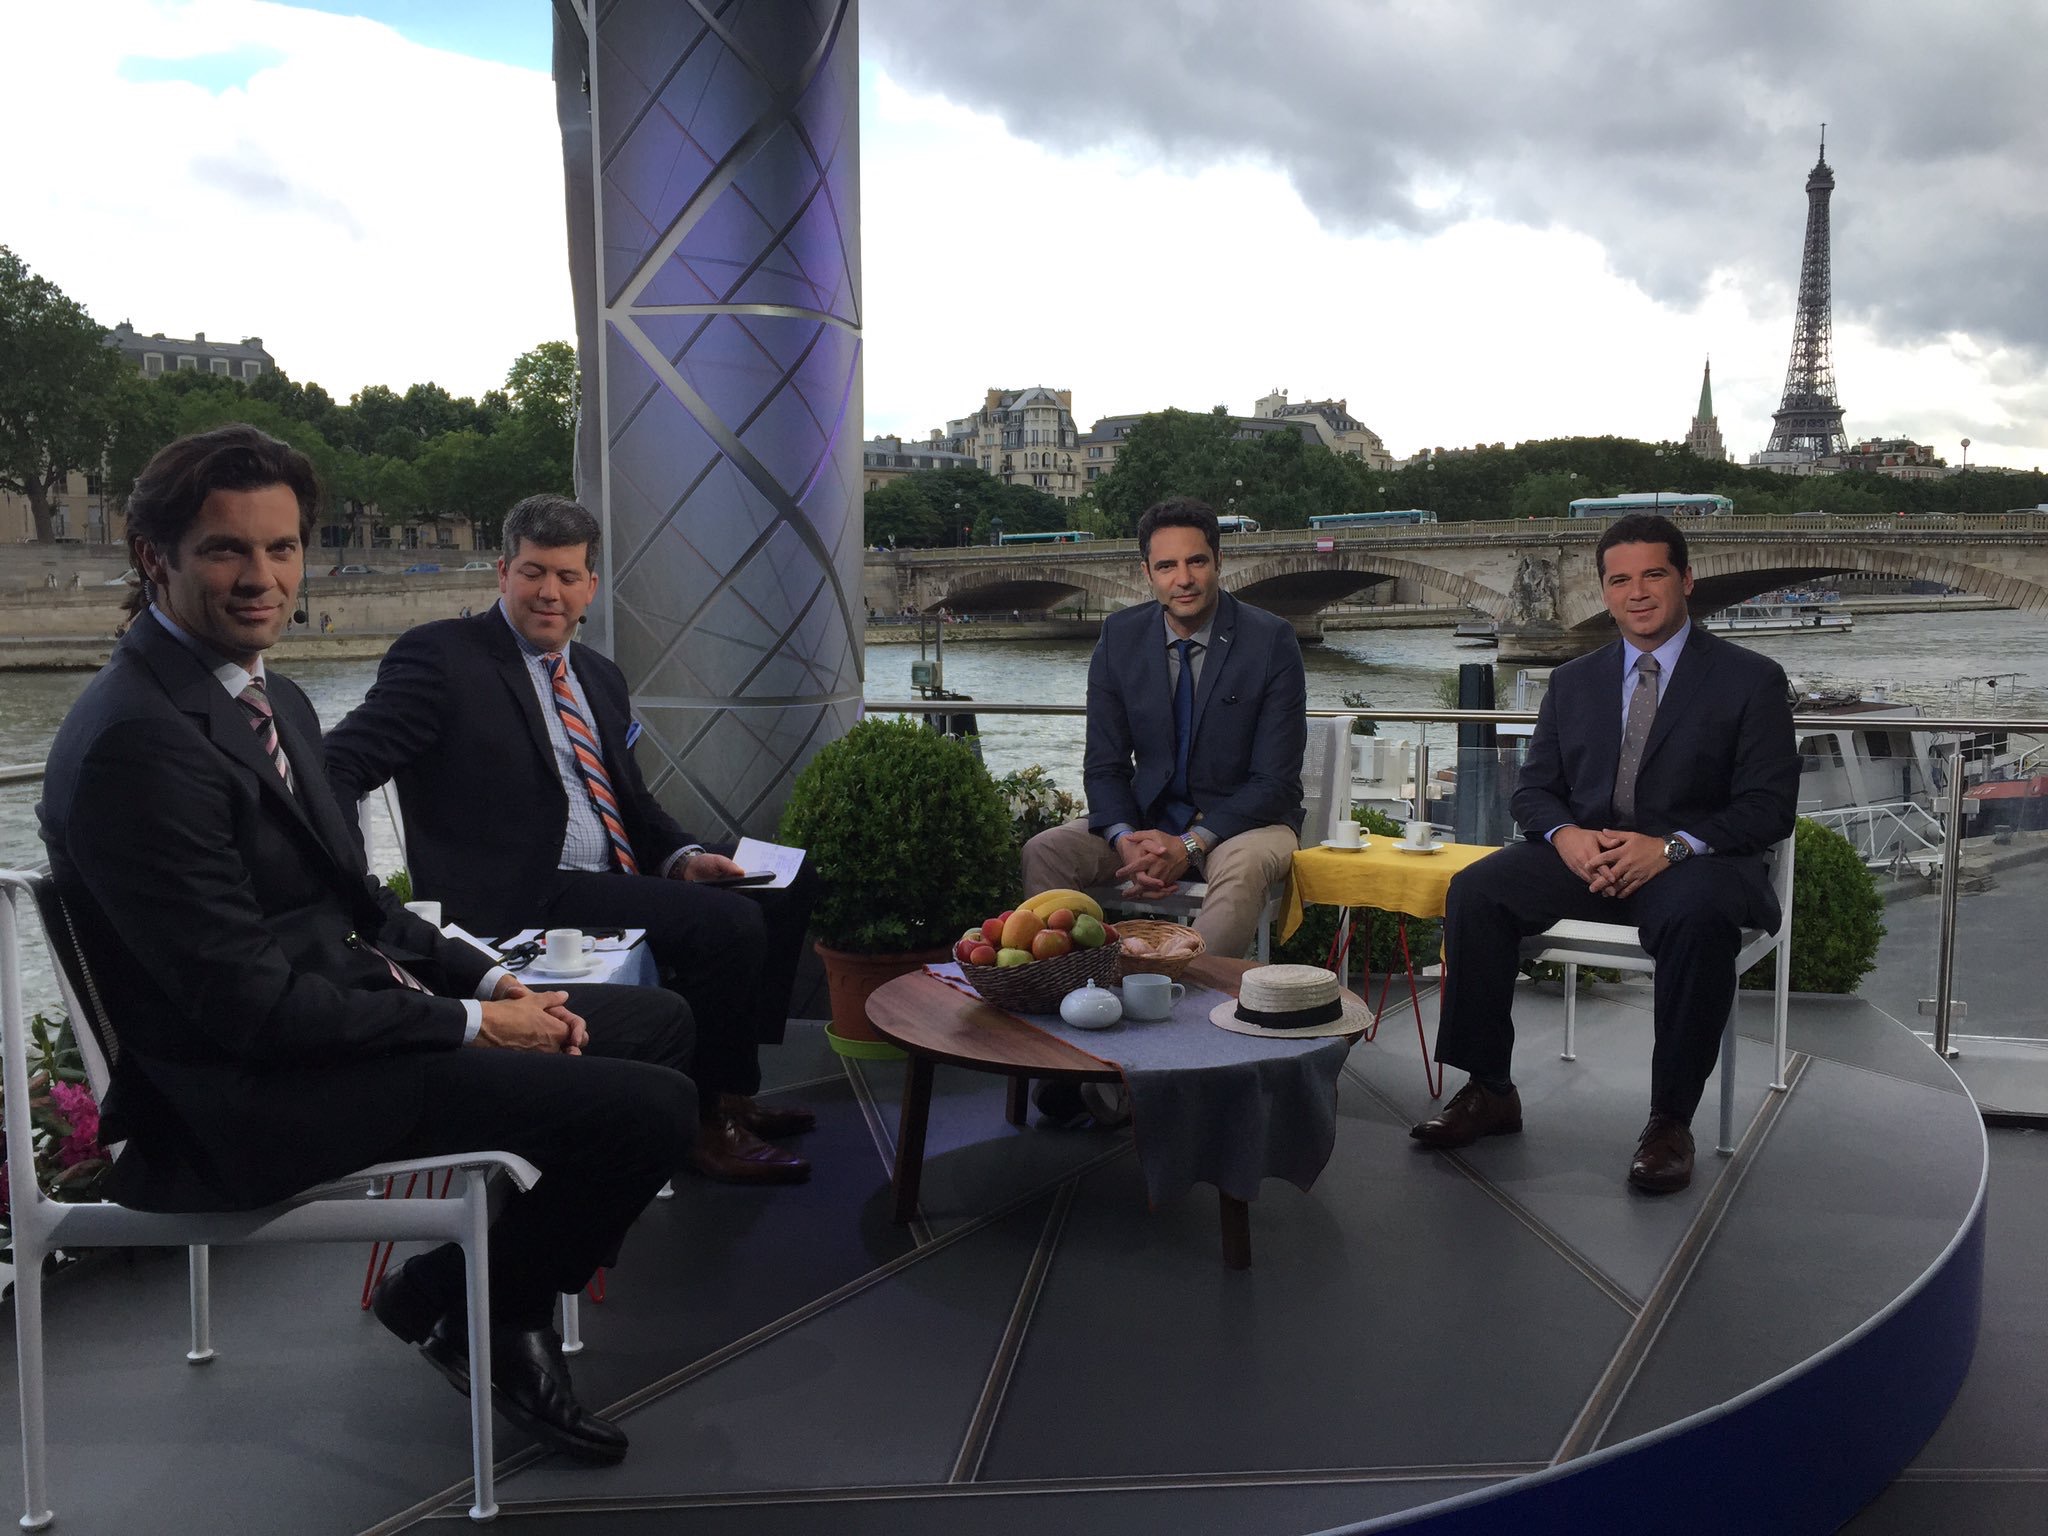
(1379, 875)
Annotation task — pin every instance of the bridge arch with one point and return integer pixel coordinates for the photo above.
(1300, 584)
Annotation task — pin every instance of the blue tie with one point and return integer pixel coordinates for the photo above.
(1178, 810)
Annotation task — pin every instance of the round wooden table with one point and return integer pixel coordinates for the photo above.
(934, 1022)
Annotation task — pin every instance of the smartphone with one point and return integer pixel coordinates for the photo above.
(762, 877)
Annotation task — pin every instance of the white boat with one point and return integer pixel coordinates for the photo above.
(1775, 618)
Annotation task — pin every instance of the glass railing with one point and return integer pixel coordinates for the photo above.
(1894, 818)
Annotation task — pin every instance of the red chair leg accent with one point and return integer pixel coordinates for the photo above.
(1436, 1081)
(380, 1252)
(595, 1290)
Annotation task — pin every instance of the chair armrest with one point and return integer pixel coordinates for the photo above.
(514, 1167)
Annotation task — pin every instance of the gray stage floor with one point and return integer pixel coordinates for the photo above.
(1040, 1350)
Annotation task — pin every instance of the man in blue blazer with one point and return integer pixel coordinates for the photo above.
(1662, 769)
(1196, 725)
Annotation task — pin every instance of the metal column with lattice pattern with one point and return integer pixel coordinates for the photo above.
(712, 157)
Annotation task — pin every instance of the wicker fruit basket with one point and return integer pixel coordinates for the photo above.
(1153, 933)
(1039, 986)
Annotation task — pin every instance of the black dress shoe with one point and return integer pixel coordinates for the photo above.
(1473, 1112)
(530, 1386)
(1663, 1160)
(1058, 1100)
(730, 1153)
(769, 1120)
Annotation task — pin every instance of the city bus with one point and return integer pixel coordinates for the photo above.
(1236, 522)
(1670, 503)
(1057, 536)
(1407, 515)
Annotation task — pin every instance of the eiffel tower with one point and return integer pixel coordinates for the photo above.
(1808, 422)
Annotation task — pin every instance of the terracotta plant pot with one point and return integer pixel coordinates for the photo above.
(850, 979)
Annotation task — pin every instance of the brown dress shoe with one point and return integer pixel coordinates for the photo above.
(765, 1119)
(730, 1153)
(1663, 1161)
(1472, 1113)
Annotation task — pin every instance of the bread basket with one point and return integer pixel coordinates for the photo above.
(1152, 932)
(1039, 986)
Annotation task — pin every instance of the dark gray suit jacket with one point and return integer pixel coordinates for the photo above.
(1251, 726)
(263, 1046)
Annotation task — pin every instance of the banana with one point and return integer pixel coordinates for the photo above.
(1058, 901)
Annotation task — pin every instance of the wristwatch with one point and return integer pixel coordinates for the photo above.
(1193, 844)
(1676, 849)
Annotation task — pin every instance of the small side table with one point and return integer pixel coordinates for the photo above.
(1381, 876)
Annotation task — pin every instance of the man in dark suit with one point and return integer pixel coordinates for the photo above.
(1196, 726)
(282, 1019)
(1663, 767)
(504, 721)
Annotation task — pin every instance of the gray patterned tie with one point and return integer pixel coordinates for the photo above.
(1635, 735)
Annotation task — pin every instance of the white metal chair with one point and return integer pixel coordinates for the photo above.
(333, 1212)
(1617, 946)
(1326, 801)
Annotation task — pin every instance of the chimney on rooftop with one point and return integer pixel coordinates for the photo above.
(199, 335)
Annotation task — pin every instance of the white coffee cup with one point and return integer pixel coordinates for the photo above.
(1345, 834)
(565, 949)
(1150, 996)
(425, 911)
(1417, 834)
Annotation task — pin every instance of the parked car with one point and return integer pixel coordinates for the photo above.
(422, 568)
(353, 570)
(480, 565)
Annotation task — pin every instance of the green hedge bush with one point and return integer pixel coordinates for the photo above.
(908, 834)
(1837, 916)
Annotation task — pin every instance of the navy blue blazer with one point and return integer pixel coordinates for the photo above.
(454, 718)
(1721, 762)
(1251, 726)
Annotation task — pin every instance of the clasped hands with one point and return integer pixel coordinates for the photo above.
(517, 1018)
(1153, 863)
(1612, 863)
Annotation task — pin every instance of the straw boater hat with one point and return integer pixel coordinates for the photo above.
(1291, 1002)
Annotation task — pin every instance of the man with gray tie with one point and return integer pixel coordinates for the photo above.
(1196, 725)
(1662, 769)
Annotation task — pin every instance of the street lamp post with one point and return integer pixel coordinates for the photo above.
(963, 526)
(995, 528)
(1966, 454)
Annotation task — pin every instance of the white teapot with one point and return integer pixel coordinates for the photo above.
(1091, 1007)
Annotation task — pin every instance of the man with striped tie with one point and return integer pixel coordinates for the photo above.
(511, 745)
(281, 1019)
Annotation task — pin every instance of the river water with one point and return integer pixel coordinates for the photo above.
(1923, 658)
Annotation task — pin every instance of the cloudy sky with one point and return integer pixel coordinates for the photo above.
(1476, 220)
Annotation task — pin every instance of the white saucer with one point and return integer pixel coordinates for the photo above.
(1337, 847)
(537, 969)
(1436, 847)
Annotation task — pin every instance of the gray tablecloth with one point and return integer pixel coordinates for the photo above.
(1209, 1106)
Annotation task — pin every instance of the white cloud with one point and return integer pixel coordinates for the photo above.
(377, 211)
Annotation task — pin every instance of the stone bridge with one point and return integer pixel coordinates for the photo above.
(1535, 578)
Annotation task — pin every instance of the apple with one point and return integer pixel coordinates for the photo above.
(964, 950)
(1110, 935)
(992, 930)
(973, 935)
(984, 954)
(1088, 933)
(1061, 921)
(1009, 957)
(1051, 944)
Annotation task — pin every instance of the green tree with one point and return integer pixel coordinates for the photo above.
(62, 394)
(546, 382)
(900, 515)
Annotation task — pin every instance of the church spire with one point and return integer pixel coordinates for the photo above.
(1704, 438)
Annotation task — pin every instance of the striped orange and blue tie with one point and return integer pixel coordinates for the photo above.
(590, 762)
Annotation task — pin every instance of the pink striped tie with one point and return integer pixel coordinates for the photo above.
(263, 721)
(590, 763)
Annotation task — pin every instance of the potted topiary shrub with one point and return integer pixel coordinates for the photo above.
(912, 842)
(1837, 915)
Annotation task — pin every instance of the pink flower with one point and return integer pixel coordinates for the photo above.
(76, 1105)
